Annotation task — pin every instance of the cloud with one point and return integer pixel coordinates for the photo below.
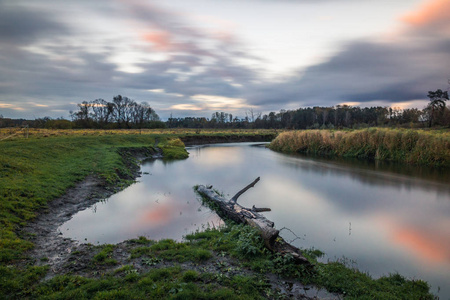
(20, 25)
(160, 39)
(183, 106)
(50, 55)
(10, 106)
(402, 67)
(135, 48)
(433, 15)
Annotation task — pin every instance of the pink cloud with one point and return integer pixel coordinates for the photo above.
(160, 39)
(433, 14)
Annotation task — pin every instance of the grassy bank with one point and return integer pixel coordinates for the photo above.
(204, 267)
(36, 170)
(339, 277)
(410, 146)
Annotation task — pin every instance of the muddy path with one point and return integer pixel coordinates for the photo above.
(50, 247)
(66, 256)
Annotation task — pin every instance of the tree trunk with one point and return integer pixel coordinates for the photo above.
(230, 209)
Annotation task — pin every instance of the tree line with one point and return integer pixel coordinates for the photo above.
(323, 118)
(341, 116)
(123, 112)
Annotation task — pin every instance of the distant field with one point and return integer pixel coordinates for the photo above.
(21, 133)
(423, 147)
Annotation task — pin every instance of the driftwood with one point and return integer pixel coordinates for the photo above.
(230, 209)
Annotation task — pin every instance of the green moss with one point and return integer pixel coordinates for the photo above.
(174, 149)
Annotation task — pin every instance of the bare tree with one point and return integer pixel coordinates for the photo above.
(102, 112)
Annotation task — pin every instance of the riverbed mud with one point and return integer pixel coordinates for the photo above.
(50, 247)
(66, 256)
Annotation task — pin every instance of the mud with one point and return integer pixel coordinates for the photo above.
(65, 256)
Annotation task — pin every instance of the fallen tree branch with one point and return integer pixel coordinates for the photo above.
(238, 194)
(230, 209)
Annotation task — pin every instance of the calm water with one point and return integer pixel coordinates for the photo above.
(385, 217)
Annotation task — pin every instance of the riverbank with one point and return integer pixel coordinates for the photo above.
(190, 140)
(420, 147)
(212, 264)
(36, 261)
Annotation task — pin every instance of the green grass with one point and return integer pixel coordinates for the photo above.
(174, 149)
(171, 250)
(161, 282)
(104, 256)
(408, 146)
(337, 277)
(164, 283)
(36, 170)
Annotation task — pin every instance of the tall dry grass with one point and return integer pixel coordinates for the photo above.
(410, 146)
(22, 133)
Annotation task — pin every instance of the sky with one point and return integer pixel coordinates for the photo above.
(195, 57)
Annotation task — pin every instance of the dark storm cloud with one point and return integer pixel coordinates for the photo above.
(19, 25)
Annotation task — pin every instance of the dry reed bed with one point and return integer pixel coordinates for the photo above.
(410, 146)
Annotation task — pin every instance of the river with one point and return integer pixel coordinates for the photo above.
(380, 218)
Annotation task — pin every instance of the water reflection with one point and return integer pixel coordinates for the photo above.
(150, 207)
(385, 217)
(373, 172)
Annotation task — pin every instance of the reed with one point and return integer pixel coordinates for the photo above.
(410, 146)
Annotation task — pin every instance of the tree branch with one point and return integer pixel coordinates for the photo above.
(238, 194)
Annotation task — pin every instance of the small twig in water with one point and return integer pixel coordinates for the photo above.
(296, 236)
